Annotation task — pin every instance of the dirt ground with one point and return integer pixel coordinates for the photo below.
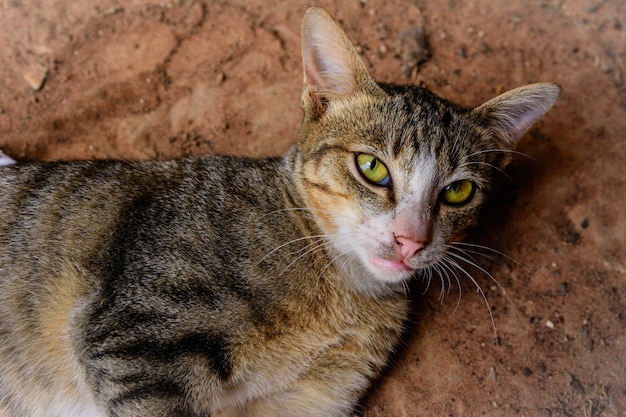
(142, 79)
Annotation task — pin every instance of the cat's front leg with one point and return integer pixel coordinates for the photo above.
(332, 387)
(307, 401)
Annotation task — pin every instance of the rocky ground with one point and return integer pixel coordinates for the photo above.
(140, 79)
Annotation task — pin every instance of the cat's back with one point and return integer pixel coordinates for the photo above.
(60, 203)
(101, 216)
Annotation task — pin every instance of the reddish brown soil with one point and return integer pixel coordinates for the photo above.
(159, 80)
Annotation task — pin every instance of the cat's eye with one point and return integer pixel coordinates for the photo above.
(459, 192)
(372, 169)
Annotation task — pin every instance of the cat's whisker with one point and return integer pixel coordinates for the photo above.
(442, 289)
(428, 274)
(443, 268)
(478, 253)
(405, 287)
(448, 270)
(332, 261)
(473, 263)
(318, 243)
(430, 278)
(487, 248)
(456, 265)
(348, 257)
(467, 256)
(315, 242)
(319, 246)
(496, 150)
(339, 255)
(446, 289)
(458, 285)
(458, 299)
(291, 242)
(500, 170)
(444, 277)
(440, 270)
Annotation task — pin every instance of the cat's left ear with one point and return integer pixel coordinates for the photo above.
(511, 114)
(332, 65)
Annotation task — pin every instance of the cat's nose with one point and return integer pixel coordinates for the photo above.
(409, 247)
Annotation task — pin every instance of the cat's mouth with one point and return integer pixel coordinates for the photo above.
(390, 271)
(390, 265)
(395, 269)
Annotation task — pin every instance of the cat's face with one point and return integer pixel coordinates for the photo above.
(393, 179)
(394, 175)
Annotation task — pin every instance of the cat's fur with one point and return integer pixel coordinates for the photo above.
(221, 286)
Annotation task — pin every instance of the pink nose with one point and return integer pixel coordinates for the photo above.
(409, 247)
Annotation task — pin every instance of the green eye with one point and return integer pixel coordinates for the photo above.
(372, 169)
(458, 192)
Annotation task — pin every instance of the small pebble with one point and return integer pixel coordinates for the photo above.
(484, 47)
(577, 386)
(36, 76)
(112, 11)
(549, 324)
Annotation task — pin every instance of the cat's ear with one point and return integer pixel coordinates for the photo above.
(332, 65)
(511, 114)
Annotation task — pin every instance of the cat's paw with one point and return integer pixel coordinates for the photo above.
(5, 160)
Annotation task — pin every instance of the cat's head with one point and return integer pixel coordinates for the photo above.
(393, 175)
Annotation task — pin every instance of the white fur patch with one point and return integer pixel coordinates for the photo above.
(5, 160)
(361, 240)
(419, 186)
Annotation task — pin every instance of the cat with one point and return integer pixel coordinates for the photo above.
(227, 286)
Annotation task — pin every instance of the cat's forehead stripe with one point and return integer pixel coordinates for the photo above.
(417, 122)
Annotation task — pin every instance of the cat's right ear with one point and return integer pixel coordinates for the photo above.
(511, 114)
(332, 65)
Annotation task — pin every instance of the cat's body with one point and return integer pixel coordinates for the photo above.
(176, 283)
(222, 286)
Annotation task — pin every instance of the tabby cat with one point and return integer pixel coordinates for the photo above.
(224, 286)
